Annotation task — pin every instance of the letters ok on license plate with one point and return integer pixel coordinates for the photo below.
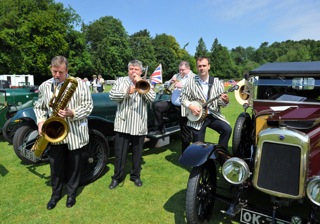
(253, 217)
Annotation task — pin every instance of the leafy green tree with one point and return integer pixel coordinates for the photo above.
(201, 49)
(221, 63)
(143, 49)
(108, 44)
(31, 33)
(167, 53)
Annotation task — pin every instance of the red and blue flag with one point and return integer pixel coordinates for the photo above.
(156, 76)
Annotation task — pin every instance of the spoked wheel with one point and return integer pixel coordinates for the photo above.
(94, 157)
(23, 135)
(242, 136)
(200, 193)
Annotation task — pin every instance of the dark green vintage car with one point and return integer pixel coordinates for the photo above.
(12, 100)
(101, 126)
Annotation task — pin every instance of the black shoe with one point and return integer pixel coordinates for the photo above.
(137, 182)
(114, 184)
(52, 203)
(70, 202)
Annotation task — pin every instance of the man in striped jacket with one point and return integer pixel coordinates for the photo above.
(65, 156)
(130, 124)
(202, 88)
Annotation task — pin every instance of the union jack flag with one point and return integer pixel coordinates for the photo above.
(156, 76)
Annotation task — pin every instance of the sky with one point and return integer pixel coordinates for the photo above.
(245, 23)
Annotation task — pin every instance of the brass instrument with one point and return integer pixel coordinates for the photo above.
(244, 93)
(169, 89)
(55, 129)
(143, 86)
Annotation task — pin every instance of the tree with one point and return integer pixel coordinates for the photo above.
(201, 49)
(167, 53)
(31, 33)
(142, 48)
(108, 44)
(221, 62)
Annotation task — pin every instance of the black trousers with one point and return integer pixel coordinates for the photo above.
(121, 147)
(162, 107)
(222, 127)
(64, 167)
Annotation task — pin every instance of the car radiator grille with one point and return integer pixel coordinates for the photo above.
(280, 168)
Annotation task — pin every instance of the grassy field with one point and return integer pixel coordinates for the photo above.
(25, 189)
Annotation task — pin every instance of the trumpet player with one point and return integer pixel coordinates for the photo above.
(65, 156)
(176, 84)
(130, 124)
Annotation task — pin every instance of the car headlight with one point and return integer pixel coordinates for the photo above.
(235, 170)
(313, 190)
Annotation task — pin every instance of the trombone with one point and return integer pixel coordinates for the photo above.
(143, 86)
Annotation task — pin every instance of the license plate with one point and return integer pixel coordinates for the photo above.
(253, 217)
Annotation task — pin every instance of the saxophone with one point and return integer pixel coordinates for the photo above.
(55, 129)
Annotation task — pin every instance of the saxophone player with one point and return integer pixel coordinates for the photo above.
(65, 156)
(174, 106)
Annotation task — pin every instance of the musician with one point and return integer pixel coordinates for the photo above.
(200, 88)
(65, 156)
(174, 105)
(130, 124)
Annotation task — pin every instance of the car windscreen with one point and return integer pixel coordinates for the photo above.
(305, 89)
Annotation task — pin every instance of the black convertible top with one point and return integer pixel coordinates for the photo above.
(311, 67)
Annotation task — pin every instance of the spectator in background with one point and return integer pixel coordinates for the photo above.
(94, 84)
(87, 82)
(100, 82)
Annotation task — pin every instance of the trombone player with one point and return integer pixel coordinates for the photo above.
(174, 106)
(130, 124)
(65, 156)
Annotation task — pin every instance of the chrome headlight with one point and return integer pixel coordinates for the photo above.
(313, 190)
(235, 170)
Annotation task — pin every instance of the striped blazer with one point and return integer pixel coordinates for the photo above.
(132, 114)
(81, 104)
(192, 91)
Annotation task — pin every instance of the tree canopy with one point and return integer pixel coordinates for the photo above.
(32, 32)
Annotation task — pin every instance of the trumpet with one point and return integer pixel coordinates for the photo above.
(171, 87)
(143, 86)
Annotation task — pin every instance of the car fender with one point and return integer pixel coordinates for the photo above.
(25, 113)
(198, 153)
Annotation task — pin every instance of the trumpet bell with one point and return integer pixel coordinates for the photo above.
(244, 93)
(142, 87)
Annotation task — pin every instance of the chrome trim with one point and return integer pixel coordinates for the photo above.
(292, 137)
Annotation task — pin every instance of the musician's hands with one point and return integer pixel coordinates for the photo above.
(195, 110)
(40, 127)
(67, 112)
(225, 98)
(131, 89)
(178, 84)
(136, 78)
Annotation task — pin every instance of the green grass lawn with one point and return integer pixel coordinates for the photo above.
(25, 189)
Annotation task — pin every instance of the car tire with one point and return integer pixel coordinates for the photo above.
(9, 129)
(242, 136)
(200, 193)
(94, 157)
(21, 136)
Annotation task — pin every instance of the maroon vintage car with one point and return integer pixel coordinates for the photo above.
(273, 172)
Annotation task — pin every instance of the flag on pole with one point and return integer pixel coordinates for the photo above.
(156, 76)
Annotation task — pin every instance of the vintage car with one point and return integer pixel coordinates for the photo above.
(101, 126)
(273, 172)
(12, 100)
